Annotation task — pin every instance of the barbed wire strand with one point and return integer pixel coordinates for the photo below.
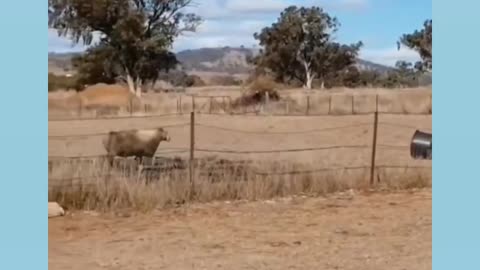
(117, 117)
(394, 147)
(282, 132)
(402, 126)
(281, 151)
(259, 114)
(310, 171)
(106, 133)
(249, 113)
(403, 113)
(172, 150)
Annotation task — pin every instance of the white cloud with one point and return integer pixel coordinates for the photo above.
(61, 44)
(242, 6)
(389, 56)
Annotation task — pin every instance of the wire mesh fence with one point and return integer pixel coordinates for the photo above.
(82, 170)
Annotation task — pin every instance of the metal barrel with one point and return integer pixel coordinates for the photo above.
(421, 145)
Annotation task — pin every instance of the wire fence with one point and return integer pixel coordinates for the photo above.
(191, 165)
(224, 105)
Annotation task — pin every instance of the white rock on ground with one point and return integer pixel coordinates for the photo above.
(55, 210)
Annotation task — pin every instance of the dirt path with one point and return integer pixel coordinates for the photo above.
(376, 231)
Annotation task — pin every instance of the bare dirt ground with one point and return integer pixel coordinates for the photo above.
(364, 231)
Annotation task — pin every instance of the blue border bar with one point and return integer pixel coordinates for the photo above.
(23, 135)
(456, 162)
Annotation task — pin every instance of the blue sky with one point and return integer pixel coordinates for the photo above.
(378, 23)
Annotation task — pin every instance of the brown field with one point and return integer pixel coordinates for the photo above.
(342, 231)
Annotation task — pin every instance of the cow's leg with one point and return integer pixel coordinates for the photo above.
(139, 166)
(110, 160)
(110, 166)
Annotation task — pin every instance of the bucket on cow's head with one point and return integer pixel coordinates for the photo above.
(421, 145)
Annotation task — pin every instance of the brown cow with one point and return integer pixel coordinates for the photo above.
(136, 142)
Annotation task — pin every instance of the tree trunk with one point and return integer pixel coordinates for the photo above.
(138, 88)
(309, 76)
(134, 86)
(309, 81)
(131, 84)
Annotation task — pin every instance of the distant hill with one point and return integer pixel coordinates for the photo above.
(60, 63)
(226, 59)
(234, 60)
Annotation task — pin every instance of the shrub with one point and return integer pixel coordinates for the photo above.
(263, 84)
(194, 80)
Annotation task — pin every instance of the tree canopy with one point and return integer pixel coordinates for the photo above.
(420, 41)
(135, 36)
(300, 45)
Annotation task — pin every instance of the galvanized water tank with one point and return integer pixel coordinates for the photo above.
(421, 145)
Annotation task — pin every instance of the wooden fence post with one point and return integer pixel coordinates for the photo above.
(193, 103)
(374, 148)
(329, 104)
(180, 104)
(80, 108)
(264, 106)
(131, 106)
(192, 151)
(308, 105)
(353, 104)
(210, 107)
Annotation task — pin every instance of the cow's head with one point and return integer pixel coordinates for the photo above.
(164, 135)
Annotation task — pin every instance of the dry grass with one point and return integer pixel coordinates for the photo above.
(90, 185)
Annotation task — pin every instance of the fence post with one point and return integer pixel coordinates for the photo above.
(80, 108)
(192, 151)
(210, 107)
(267, 101)
(329, 104)
(180, 104)
(193, 103)
(353, 104)
(131, 106)
(374, 148)
(308, 105)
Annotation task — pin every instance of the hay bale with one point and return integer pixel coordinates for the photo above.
(55, 210)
